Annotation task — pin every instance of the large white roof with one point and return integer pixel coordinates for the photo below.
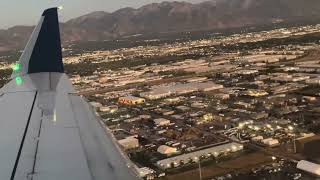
(309, 167)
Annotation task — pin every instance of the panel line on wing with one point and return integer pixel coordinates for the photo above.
(37, 146)
(23, 138)
(16, 92)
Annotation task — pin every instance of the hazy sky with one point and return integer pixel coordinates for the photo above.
(27, 12)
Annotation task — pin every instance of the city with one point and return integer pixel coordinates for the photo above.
(243, 105)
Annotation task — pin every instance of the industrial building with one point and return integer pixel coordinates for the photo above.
(315, 81)
(131, 100)
(194, 156)
(156, 94)
(146, 172)
(96, 105)
(161, 122)
(110, 109)
(309, 167)
(179, 89)
(256, 93)
(129, 143)
(166, 150)
(270, 142)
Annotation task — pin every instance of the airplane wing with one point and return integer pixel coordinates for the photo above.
(47, 132)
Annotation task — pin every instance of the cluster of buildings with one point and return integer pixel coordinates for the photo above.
(205, 117)
(215, 151)
(181, 112)
(179, 89)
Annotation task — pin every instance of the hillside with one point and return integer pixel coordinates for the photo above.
(174, 17)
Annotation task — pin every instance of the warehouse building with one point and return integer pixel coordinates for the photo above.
(195, 156)
(167, 150)
(270, 142)
(156, 94)
(180, 89)
(129, 143)
(96, 105)
(315, 81)
(309, 167)
(146, 172)
(161, 122)
(110, 109)
(131, 100)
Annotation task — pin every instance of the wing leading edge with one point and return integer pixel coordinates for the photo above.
(46, 131)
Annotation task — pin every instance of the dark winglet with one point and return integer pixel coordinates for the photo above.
(47, 55)
(52, 11)
(43, 51)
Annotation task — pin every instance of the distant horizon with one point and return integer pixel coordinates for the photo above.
(71, 9)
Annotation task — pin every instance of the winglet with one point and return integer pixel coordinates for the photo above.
(43, 51)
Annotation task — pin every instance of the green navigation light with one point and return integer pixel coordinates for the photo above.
(16, 67)
(18, 80)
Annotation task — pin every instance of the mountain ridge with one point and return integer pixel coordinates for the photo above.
(172, 17)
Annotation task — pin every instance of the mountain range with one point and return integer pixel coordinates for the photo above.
(173, 17)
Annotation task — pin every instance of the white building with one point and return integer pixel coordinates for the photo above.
(131, 100)
(161, 122)
(145, 172)
(208, 86)
(313, 81)
(309, 167)
(197, 79)
(110, 109)
(129, 142)
(257, 138)
(195, 156)
(270, 142)
(166, 150)
(179, 89)
(96, 104)
(156, 94)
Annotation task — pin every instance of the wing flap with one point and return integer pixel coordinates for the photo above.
(60, 153)
(105, 159)
(15, 113)
(25, 168)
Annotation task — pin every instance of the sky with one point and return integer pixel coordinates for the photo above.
(27, 12)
